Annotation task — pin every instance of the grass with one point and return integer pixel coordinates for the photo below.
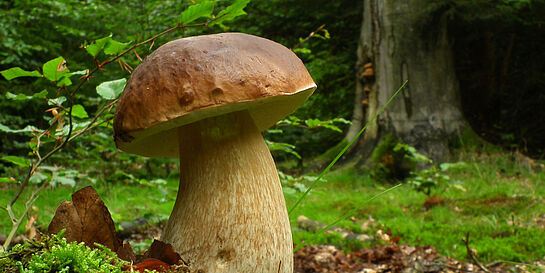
(502, 207)
(125, 202)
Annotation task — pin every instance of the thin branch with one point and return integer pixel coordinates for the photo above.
(308, 37)
(472, 255)
(92, 124)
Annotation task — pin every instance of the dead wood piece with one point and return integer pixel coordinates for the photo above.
(86, 219)
(472, 255)
(163, 252)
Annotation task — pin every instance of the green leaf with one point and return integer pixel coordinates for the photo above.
(114, 47)
(275, 131)
(64, 81)
(313, 123)
(7, 180)
(326, 34)
(234, 10)
(19, 161)
(158, 181)
(109, 45)
(284, 147)
(40, 95)
(55, 69)
(19, 96)
(79, 73)
(112, 89)
(16, 72)
(79, 112)
(302, 50)
(38, 178)
(97, 46)
(341, 120)
(459, 187)
(289, 191)
(447, 166)
(64, 181)
(300, 186)
(28, 128)
(197, 11)
(332, 127)
(58, 101)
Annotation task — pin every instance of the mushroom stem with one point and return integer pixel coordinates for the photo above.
(230, 214)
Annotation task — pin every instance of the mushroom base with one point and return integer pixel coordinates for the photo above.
(230, 214)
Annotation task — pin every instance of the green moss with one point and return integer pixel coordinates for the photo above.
(54, 254)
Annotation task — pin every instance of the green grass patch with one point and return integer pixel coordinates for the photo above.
(502, 207)
(125, 202)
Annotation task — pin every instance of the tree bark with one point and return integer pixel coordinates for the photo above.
(398, 46)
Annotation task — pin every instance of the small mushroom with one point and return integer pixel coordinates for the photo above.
(368, 71)
(206, 100)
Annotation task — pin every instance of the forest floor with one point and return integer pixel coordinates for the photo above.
(389, 257)
(497, 197)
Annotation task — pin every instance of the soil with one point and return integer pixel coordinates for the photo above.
(388, 258)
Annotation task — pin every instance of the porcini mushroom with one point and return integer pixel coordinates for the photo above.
(206, 100)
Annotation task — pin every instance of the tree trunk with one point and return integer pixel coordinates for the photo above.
(396, 45)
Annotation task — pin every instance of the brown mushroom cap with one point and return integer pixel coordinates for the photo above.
(190, 79)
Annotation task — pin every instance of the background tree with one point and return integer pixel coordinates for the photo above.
(467, 63)
(396, 47)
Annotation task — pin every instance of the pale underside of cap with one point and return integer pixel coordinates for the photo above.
(194, 78)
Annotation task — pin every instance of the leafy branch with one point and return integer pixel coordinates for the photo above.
(57, 72)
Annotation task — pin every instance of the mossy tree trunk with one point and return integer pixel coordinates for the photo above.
(400, 42)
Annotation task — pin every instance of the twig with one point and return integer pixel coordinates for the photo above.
(472, 255)
(309, 36)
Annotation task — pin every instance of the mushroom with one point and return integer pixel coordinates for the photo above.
(206, 100)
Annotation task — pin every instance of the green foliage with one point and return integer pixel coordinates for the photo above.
(295, 122)
(71, 111)
(197, 11)
(390, 163)
(291, 130)
(55, 69)
(126, 200)
(293, 185)
(231, 12)
(108, 45)
(111, 89)
(394, 160)
(434, 177)
(284, 147)
(21, 162)
(39, 95)
(54, 254)
(313, 123)
(16, 72)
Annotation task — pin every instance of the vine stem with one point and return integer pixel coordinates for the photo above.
(16, 222)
